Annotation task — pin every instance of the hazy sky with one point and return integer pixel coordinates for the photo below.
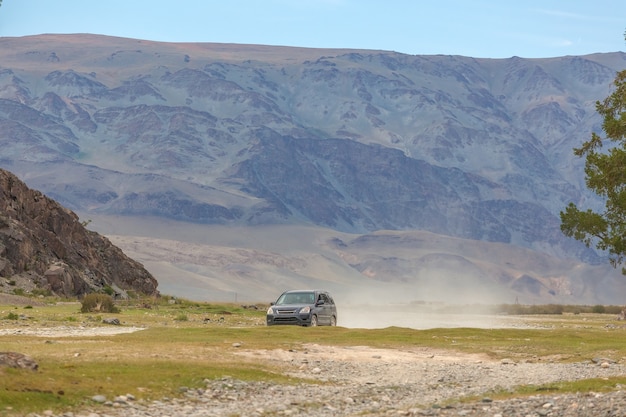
(477, 28)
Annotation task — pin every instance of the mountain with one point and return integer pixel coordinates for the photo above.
(351, 141)
(44, 247)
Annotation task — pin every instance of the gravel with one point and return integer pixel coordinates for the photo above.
(69, 331)
(361, 381)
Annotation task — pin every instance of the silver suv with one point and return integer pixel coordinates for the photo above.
(303, 308)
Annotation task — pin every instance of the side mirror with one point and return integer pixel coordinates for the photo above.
(319, 303)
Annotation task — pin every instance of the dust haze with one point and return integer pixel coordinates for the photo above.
(382, 279)
(432, 303)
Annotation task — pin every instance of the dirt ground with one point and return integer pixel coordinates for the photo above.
(10, 299)
(364, 354)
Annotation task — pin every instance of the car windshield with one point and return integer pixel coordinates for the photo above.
(296, 298)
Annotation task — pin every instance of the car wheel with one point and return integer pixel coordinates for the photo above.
(313, 320)
(333, 321)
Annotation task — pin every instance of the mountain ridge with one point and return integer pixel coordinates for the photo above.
(352, 140)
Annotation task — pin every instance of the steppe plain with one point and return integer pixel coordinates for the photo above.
(177, 357)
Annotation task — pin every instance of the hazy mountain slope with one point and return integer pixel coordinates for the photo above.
(353, 141)
(211, 262)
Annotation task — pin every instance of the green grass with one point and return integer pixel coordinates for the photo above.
(186, 342)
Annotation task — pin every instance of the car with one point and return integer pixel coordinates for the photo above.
(303, 308)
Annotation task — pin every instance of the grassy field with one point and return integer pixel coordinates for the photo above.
(185, 343)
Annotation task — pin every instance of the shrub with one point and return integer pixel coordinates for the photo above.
(98, 303)
(41, 292)
(182, 317)
(598, 309)
(12, 316)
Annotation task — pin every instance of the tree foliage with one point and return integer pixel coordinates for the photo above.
(605, 174)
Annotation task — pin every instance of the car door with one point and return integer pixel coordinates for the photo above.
(324, 309)
(332, 308)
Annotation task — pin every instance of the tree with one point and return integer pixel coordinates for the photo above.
(605, 174)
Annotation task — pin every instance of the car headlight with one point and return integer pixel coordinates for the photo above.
(305, 310)
(270, 311)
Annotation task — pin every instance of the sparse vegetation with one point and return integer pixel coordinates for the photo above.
(41, 292)
(520, 309)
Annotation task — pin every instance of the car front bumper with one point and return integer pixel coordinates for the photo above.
(289, 319)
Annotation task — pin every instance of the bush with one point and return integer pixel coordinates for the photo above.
(41, 292)
(182, 317)
(598, 309)
(98, 303)
(12, 316)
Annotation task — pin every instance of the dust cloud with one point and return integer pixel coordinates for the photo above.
(431, 303)
(408, 316)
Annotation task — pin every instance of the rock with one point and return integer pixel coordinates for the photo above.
(111, 320)
(17, 360)
(44, 245)
(600, 361)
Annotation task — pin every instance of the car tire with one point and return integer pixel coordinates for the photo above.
(313, 320)
(333, 320)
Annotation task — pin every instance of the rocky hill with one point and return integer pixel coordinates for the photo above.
(353, 141)
(44, 247)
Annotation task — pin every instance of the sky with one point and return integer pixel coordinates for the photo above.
(475, 28)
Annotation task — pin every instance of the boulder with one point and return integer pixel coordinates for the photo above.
(17, 360)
